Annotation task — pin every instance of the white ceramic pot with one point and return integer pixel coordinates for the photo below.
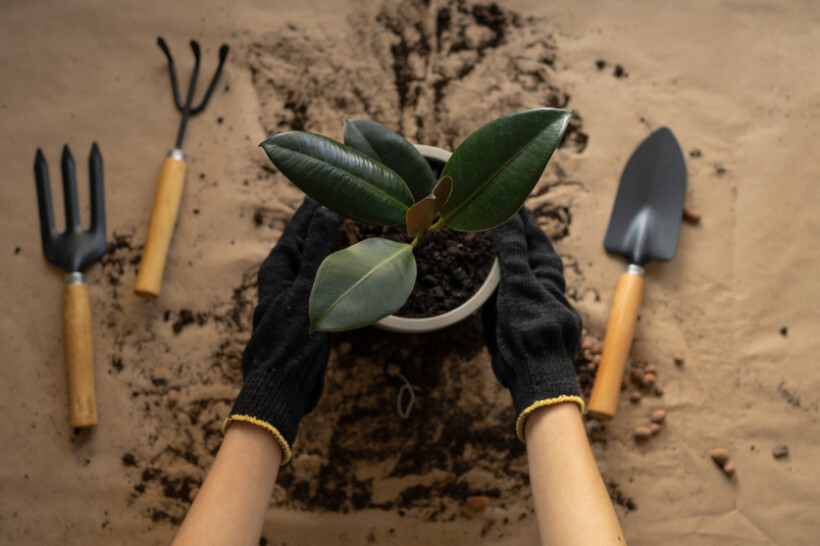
(438, 322)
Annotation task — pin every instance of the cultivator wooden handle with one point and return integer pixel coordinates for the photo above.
(161, 227)
(603, 401)
(79, 348)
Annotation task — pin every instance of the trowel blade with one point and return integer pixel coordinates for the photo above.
(646, 217)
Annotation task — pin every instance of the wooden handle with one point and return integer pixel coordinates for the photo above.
(620, 330)
(79, 349)
(161, 227)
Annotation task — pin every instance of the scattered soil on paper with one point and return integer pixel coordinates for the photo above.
(423, 72)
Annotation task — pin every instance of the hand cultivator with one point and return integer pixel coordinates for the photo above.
(171, 180)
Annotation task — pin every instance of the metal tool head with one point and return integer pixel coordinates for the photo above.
(76, 247)
(646, 218)
(187, 108)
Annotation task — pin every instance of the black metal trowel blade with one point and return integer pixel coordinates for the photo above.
(646, 218)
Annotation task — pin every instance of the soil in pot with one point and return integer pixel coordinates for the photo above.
(451, 265)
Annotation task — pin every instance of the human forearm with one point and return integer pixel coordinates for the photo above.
(231, 505)
(572, 505)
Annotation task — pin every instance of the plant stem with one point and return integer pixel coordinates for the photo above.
(437, 226)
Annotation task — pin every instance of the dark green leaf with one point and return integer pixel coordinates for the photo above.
(497, 166)
(421, 215)
(361, 284)
(387, 146)
(340, 178)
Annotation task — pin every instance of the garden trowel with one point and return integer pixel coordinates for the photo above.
(644, 226)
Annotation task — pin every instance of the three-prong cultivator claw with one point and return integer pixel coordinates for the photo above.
(186, 107)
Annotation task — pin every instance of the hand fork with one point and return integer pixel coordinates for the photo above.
(72, 251)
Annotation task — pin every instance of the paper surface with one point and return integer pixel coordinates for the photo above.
(736, 82)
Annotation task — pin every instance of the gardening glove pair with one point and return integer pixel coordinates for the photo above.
(283, 365)
(532, 331)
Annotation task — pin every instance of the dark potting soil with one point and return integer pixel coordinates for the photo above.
(451, 265)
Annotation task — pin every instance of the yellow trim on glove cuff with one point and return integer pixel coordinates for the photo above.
(522, 419)
(267, 426)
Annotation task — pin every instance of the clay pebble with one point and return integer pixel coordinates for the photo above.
(649, 380)
(691, 215)
(345, 347)
(780, 450)
(655, 428)
(658, 416)
(478, 503)
(642, 433)
(658, 389)
(635, 397)
(729, 468)
(393, 370)
(678, 358)
(720, 456)
(171, 398)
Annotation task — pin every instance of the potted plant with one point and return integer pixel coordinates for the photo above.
(378, 177)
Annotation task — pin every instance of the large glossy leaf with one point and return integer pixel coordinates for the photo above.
(421, 215)
(361, 284)
(497, 166)
(387, 146)
(340, 178)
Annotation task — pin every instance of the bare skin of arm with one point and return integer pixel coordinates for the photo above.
(231, 505)
(571, 502)
(572, 505)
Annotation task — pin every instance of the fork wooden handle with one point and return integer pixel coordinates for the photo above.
(161, 227)
(79, 348)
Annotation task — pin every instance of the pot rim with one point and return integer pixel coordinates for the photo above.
(393, 323)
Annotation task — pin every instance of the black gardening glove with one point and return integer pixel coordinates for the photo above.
(283, 366)
(531, 329)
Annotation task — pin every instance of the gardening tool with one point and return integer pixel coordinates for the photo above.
(72, 251)
(171, 180)
(644, 226)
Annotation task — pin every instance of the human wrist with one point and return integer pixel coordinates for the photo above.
(524, 417)
(267, 446)
(541, 415)
(267, 403)
(258, 426)
(546, 386)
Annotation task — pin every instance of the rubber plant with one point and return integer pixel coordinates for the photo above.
(378, 177)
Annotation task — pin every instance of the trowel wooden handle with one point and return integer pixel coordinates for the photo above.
(620, 330)
(79, 352)
(161, 227)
